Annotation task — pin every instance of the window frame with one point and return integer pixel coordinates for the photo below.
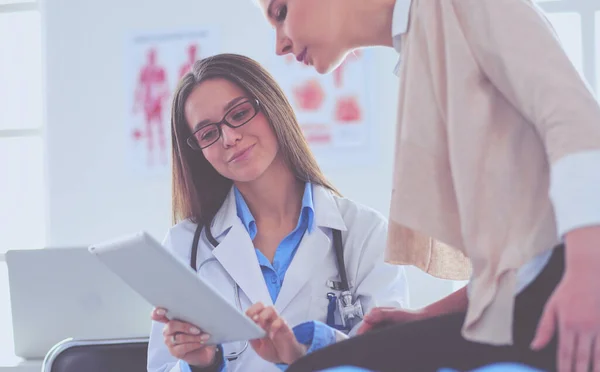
(29, 6)
(587, 10)
(36, 132)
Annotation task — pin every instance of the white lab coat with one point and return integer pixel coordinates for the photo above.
(303, 294)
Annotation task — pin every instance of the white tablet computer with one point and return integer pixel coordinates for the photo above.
(164, 280)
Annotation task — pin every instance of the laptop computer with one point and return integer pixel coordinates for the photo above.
(58, 293)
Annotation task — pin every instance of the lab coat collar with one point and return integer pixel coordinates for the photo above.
(226, 215)
(327, 213)
(314, 247)
(237, 255)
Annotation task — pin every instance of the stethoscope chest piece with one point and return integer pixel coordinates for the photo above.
(350, 312)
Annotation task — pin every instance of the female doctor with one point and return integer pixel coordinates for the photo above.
(257, 219)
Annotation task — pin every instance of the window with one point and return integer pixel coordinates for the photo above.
(597, 43)
(21, 145)
(577, 24)
(568, 27)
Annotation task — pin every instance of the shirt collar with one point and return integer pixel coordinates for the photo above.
(243, 212)
(400, 20)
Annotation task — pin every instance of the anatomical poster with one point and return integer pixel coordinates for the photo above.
(155, 63)
(332, 109)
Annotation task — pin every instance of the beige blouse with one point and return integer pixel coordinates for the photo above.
(488, 101)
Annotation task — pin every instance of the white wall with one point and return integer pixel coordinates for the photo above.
(93, 195)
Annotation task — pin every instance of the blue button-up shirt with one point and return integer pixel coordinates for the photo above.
(314, 334)
(274, 273)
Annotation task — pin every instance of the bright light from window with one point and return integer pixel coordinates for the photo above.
(7, 349)
(21, 193)
(3, 2)
(20, 70)
(22, 224)
(21, 217)
(598, 55)
(568, 29)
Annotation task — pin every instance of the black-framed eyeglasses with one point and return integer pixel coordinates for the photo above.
(237, 116)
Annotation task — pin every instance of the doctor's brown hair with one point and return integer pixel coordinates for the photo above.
(198, 189)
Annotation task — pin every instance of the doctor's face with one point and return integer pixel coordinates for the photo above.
(310, 30)
(241, 154)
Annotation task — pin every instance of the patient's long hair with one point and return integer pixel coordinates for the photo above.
(198, 189)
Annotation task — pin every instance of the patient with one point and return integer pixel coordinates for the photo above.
(245, 180)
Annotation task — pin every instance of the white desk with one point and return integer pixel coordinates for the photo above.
(22, 366)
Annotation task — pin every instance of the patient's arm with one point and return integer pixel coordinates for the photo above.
(382, 316)
(456, 302)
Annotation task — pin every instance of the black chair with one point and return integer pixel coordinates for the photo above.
(119, 355)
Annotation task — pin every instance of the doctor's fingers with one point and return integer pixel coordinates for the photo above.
(280, 331)
(159, 315)
(182, 339)
(267, 318)
(255, 309)
(181, 350)
(176, 326)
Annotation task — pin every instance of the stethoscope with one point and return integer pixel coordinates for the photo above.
(350, 311)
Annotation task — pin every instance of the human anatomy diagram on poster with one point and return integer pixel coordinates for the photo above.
(332, 109)
(155, 64)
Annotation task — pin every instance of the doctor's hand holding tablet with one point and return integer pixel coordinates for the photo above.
(185, 341)
(189, 343)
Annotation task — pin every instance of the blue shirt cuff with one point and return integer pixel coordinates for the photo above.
(314, 334)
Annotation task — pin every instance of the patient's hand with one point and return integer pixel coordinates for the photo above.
(185, 341)
(380, 317)
(280, 344)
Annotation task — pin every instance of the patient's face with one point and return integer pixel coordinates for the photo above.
(241, 154)
(312, 30)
